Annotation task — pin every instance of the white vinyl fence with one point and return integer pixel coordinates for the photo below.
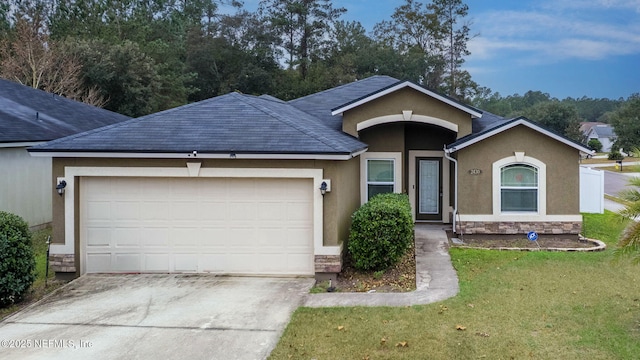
(591, 190)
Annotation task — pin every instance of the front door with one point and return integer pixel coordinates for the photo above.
(428, 189)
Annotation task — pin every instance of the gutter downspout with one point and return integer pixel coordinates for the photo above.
(447, 154)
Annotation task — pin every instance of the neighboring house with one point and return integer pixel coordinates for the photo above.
(241, 184)
(603, 133)
(29, 117)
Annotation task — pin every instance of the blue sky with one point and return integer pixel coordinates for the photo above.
(567, 48)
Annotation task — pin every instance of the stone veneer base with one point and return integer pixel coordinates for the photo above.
(328, 263)
(62, 263)
(519, 227)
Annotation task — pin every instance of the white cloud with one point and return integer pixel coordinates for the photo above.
(545, 37)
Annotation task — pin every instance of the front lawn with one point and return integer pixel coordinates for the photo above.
(511, 305)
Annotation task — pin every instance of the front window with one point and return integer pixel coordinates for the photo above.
(519, 188)
(380, 176)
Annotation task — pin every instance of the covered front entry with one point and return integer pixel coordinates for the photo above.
(220, 225)
(429, 185)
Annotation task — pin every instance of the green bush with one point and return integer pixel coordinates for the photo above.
(615, 155)
(17, 261)
(595, 144)
(381, 232)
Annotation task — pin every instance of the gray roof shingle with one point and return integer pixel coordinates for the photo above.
(228, 123)
(31, 115)
(320, 104)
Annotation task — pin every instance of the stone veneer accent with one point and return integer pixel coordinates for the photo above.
(520, 227)
(62, 263)
(328, 263)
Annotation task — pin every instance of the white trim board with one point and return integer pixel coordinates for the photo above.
(520, 121)
(192, 155)
(72, 173)
(407, 84)
(413, 118)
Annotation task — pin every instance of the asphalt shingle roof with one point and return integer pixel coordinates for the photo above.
(320, 104)
(604, 131)
(31, 115)
(229, 123)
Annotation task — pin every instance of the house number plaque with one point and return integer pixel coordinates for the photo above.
(475, 172)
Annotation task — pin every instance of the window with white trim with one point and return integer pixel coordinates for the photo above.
(380, 172)
(380, 177)
(519, 188)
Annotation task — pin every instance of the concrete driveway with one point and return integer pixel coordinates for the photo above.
(155, 317)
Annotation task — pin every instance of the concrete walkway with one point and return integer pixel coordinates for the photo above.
(436, 279)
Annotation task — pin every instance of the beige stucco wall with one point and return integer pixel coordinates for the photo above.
(383, 138)
(402, 100)
(563, 178)
(26, 186)
(338, 204)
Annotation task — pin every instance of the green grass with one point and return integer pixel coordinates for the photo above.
(38, 289)
(536, 305)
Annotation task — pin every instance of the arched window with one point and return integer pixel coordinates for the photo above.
(519, 188)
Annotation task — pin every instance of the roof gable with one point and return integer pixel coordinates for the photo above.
(403, 85)
(475, 138)
(32, 115)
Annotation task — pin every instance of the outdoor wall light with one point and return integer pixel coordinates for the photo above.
(323, 188)
(60, 187)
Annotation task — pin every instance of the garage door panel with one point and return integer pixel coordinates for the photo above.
(243, 226)
(213, 263)
(127, 262)
(213, 210)
(98, 236)
(186, 262)
(126, 237)
(214, 237)
(155, 210)
(295, 238)
(272, 238)
(156, 262)
(241, 210)
(125, 210)
(298, 211)
(98, 262)
(154, 237)
(271, 211)
(97, 210)
(185, 237)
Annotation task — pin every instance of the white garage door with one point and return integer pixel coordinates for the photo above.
(218, 225)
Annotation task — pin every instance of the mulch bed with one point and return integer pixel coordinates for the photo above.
(398, 278)
(521, 241)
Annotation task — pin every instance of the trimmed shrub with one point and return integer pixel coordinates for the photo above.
(17, 261)
(381, 232)
(615, 155)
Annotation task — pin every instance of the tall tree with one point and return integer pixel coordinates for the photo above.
(438, 33)
(414, 31)
(28, 56)
(626, 122)
(303, 26)
(559, 117)
(454, 38)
